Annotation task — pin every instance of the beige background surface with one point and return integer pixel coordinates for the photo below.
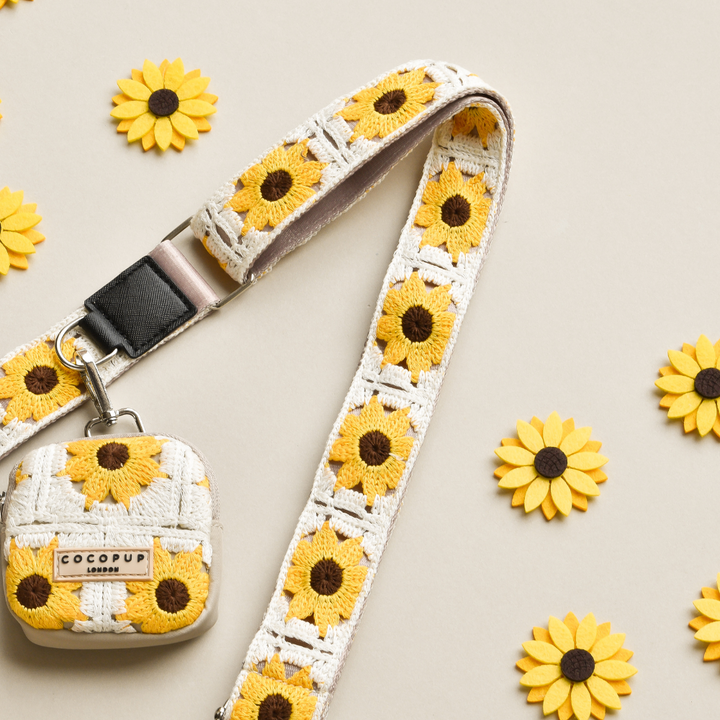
(605, 257)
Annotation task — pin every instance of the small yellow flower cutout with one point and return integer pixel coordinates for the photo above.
(707, 624)
(17, 237)
(551, 465)
(2, 5)
(692, 386)
(576, 669)
(163, 105)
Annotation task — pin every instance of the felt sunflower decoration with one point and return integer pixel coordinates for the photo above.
(2, 5)
(163, 105)
(17, 237)
(117, 467)
(692, 386)
(551, 465)
(472, 118)
(576, 669)
(707, 624)
(276, 693)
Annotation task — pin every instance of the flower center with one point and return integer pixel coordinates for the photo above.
(374, 448)
(707, 383)
(275, 707)
(172, 595)
(276, 185)
(417, 324)
(551, 462)
(390, 102)
(326, 577)
(113, 456)
(455, 211)
(163, 102)
(33, 591)
(577, 665)
(41, 380)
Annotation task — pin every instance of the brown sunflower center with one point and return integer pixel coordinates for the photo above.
(326, 577)
(577, 665)
(172, 595)
(33, 591)
(390, 102)
(551, 462)
(113, 456)
(374, 448)
(707, 383)
(41, 380)
(275, 707)
(276, 185)
(163, 102)
(455, 211)
(417, 324)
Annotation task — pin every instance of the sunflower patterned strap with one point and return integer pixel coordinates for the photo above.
(316, 172)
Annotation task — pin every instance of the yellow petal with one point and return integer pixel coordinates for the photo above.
(581, 482)
(10, 203)
(603, 692)
(184, 125)
(586, 632)
(192, 88)
(163, 132)
(536, 493)
(710, 633)
(4, 261)
(561, 635)
(543, 675)
(575, 440)
(556, 695)
(196, 108)
(683, 363)
(175, 75)
(561, 495)
(711, 608)
(529, 437)
(614, 670)
(684, 405)
(675, 384)
(705, 353)
(16, 242)
(586, 461)
(518, 477)
(515, 455)
(134, 90)
(706, 414)
(152, 76)
(581, 702)
(21, 221)
(552, 432)
(542, 651)
(141, 127)
(608, 646)
(129, 110)
(18, 260)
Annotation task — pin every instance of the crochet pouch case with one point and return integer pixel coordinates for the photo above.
(111, 542)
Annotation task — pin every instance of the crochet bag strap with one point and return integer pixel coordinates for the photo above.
(274, 205)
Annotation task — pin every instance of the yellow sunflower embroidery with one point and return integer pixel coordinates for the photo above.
(416, 325)
(31, 592)
(576, 668)
(174, 598)
(454, 212)
(692, 384)
(17, 237)
(325, 579)
(551, 465)
(707, 625)
(271, 695)
(372, 448)
(117, 467)
(479, 118)
(276, 186)
(37, 383)
(163, 105)
(395, 100)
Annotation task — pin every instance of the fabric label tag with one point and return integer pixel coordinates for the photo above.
(87, 564)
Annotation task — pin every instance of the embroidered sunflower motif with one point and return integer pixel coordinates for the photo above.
(454, 212)
(163, 105)
(707, 625)
(576, 668)
(325, 579)
(31, 592)
(174, 598)
(416, 325)
(276, 186)
(692, 384)
(372, 448)
(479, 118)
(551, 465)
(116, 467)
(17, 237)
(271, 695)
(37, 383)
(395, 100)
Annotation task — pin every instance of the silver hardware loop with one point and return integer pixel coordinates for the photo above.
(58, 348)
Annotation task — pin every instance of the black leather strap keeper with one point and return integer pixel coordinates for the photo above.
(137, 310)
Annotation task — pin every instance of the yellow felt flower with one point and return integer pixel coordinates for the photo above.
(325, 578)
(164, 105)
(454, 212)
(276, 693)
(551, 465)
(31, 592)
(276, 186)
(17, 237)
(707, 624)
(576, 669)
(692, 386)
(117, 467)
(477, 118)
(3, 3)
(37, 383)
(416, 325)
(372, 448)
(382, 109)
(174, 598)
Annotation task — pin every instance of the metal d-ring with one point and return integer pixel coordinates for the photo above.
(58, 348)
